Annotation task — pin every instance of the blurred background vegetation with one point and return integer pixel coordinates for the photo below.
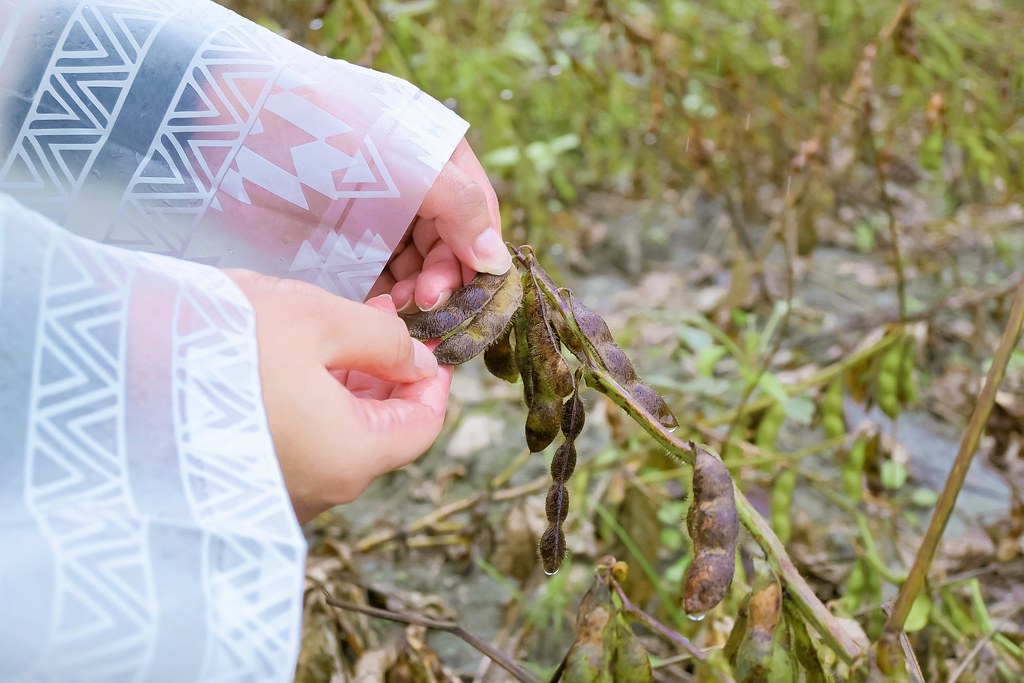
(765, 198)
(732, 97)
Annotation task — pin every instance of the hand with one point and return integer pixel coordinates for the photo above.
(456, 234)
(349, 394)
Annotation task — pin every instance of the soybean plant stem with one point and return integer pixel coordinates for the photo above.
(816, 614)
(654, 624)
(968, 444)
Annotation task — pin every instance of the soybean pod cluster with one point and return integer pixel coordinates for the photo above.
(522, 323)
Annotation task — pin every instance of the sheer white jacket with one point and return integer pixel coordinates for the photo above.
(145, 531)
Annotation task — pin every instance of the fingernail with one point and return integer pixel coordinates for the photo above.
(442, 298)
(408, 307)
(491, 254)
(423, 358)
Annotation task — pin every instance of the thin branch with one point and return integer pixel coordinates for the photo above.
(821, 377)
(944, 508)
(499, 658)
(434, 517)
(956, 302)
(959, 670)
(894, 238)
(785, 232)
(653, 623)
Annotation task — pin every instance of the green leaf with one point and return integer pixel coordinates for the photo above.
(800, 410)
(917, 619)
(706, 359)
(771, 385)
(695, 339)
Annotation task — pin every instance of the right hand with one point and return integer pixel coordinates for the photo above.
(456, 233)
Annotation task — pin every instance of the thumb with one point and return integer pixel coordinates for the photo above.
(341, 334)
(464, 209)
(377, 343)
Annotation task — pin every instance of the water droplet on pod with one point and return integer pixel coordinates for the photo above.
(550, 573)
(698, 616)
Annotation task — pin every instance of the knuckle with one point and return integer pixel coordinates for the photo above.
(470, 201)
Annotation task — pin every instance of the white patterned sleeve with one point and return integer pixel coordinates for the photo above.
(179, 128)
(145, 530)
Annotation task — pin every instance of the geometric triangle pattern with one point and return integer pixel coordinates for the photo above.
(93, 64)
(214, 107)
(144, 370)
(341, 266)
(257, 148)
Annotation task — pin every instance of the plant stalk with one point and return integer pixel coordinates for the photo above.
(968, 445)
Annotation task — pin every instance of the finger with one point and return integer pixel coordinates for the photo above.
(458, 204)
(383, 285)
(425, 236)
(405, 264)
(378, 344)
(402, 294)
(406, 424)
(440, 277)
(368, 387)
(464, 158)
(341, 334)
(383, 303)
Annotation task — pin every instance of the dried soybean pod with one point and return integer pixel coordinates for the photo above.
(602, 346)
(542, 420)
(564, 462)
(595, 330)
(714, 528)
(552, 549)
(552, 542)
(632, 664)
(556, 506)
(485, 327)
(464, 303)
(616, 362)
(545, 346)
(590, 657)
(545, 405)
(500, 358)
(573, 413)
(653, 403)
(522, 354)
(753, 658)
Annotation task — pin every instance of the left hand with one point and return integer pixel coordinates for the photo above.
(456, 234)
(349, 394)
